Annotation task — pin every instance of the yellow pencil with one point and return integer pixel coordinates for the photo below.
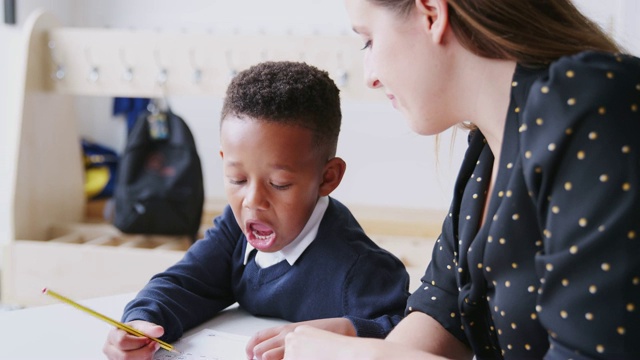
(109, 320)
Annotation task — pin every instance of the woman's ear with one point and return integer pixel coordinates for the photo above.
(436, 17)
(221, 154)
(332, 175)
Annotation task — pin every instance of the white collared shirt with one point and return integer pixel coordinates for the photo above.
(292, 252)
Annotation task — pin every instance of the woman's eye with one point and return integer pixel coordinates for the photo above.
(366, 45)
(280, 187)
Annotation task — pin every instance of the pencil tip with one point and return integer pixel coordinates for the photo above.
(44, 290)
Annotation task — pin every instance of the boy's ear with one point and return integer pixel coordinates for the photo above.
(221, 154)
(332, 175)
(435, 14)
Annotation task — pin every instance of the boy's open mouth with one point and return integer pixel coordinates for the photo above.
(261, 236)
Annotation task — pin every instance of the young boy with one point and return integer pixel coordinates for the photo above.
(282, 247)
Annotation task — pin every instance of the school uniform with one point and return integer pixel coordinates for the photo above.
(331, 270)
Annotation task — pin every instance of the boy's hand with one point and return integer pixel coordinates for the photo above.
(124, 346)
(268, 344)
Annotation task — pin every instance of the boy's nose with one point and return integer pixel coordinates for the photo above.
(255, 198)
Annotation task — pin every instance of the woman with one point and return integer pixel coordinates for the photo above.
(540, 254)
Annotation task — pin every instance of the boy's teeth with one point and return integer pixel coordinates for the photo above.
(262, 237)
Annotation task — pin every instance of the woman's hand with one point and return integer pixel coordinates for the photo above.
(269, 344)
(417, 336)
(309, 343)
(122, 345)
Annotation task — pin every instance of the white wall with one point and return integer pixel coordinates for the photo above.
(387, 164)
(628, 25)
(618, 17)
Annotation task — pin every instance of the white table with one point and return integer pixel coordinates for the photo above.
(60, 331)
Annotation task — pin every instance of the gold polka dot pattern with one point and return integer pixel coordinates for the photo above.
(542, 276)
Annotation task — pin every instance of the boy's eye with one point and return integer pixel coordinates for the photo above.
(366, 45)
(237, 182)
(280, 187)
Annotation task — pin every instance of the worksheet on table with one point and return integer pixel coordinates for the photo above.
(207, 344)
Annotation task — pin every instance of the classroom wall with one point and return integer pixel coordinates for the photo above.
(388, 165)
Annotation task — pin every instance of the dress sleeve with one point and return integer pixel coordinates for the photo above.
(581, 149)
(195, 288)
(437, 295)
(375, 294)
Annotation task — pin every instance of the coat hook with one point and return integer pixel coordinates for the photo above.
(163, 73)
(59, 73)
(342, 76)
(94, 70)
(127, 74)
(161, 79)
(197, 71)
(232, 70)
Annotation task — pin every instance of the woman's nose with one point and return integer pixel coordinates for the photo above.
(371, 79)
(373, 83)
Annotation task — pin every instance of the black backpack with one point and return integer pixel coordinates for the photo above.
(159, 187)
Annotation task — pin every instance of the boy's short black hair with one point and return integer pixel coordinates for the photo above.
(291, 93)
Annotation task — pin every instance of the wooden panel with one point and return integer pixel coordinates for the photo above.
(86, 260)
(111, 62)
(48, 175)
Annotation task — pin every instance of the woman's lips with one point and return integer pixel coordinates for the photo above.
(393, 100)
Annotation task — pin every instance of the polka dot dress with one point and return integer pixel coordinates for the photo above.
(555, 270)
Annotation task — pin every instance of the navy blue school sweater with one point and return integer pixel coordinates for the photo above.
(342, 273)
